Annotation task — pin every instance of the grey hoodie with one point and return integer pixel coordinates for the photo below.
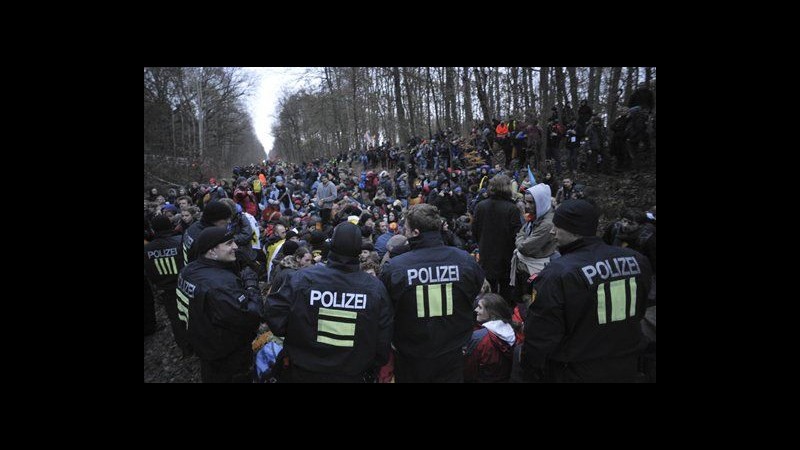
(534, 239)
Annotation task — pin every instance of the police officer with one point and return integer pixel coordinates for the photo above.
(224, 308)
(336, 319)
(584, 322)
(433, 288)
(162, 263)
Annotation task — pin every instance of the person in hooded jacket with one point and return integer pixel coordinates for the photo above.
(489, 351)
(534, 241)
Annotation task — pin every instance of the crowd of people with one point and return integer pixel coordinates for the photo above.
(430, 267)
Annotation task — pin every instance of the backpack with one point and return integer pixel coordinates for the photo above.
(256, 185)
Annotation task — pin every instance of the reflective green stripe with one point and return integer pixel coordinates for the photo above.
(182, 297)
(183, 317)
(338, 328)
(174, 267)
(449, 293)
(435, 299)
(185, 256)
(338, 313)
(601, 303)
(618, 300)
(420, 300)
(336, 342)
(633, 297)
(157, 262)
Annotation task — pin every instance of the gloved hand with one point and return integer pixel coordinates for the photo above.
(250, 278)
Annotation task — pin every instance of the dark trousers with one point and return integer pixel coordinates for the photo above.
(170, 300)
(612, 370)
(234, 368)
(297, 375)
(149, 310)
(503, 288)
(447, 368)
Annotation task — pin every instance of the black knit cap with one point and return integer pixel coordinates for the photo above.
(215, 211)
(211, 237)
(289, 247)
(346, 239)
(161, 223)
(578, 217)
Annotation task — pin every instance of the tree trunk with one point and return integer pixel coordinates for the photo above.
(544, 95)
(467, 100)
(628, 84)
(613, 85)
(561, 87)
(480, 83)
(573, 88)
(596, 88)
(450, 98)
(410, 100)
(499, 110)
(648, 75)
(401, 115)
(355, 103)
(335, 109)
(428, 100)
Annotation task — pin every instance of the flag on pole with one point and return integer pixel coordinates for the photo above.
(530, 176)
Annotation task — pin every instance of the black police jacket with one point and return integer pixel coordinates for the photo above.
(223, 315)
(433, 289)
(335, 318)
(588, 305)
(163, 260)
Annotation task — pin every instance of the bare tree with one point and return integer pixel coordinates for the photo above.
(480, 82)
(450, 93)
(401, 115)
(467, 98)
(544, 94)
(561, 88)
(410, 100)
(573, 86)
(612, 97)
(629, 83)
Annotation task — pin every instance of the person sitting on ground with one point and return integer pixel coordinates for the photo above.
(489, 351)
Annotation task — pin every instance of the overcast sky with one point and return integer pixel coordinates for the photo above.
(264, 102)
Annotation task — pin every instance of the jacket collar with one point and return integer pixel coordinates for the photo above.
(426, 239)
(343, 263)
(580, 243)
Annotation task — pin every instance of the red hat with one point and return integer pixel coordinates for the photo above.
(213, 181)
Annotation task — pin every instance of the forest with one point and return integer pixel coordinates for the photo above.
(196, 122)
